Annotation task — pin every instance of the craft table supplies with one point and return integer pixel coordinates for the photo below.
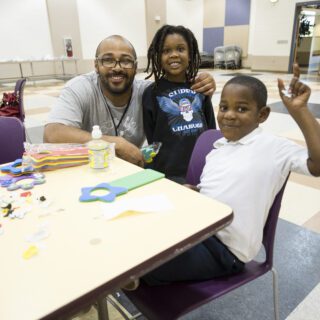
(120, 186)
(98, 150)
(25, 182)
(52, 156)
(150, 151)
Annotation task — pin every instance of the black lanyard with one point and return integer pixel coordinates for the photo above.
(116, 127)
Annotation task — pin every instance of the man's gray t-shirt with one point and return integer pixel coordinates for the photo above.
(81, 104)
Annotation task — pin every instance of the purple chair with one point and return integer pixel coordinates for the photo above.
(13, 136)
(19, 88)
(172, 301)
(198, 158)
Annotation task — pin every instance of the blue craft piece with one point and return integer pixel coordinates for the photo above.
(86, 195)
(11, 182)
(15, 168)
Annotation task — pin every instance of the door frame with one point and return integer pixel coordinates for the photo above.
(296, 24)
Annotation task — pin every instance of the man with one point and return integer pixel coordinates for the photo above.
(109, 97)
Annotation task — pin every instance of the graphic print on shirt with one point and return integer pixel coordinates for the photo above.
(129, 127)
(183, 108)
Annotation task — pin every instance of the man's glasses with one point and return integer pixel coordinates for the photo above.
(124, 63)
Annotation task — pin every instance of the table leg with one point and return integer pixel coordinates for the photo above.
(102, 309)
(20, 66)
(32, 73)
(76, 66)
(62, 64)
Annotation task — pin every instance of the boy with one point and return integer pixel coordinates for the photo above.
(246, 171)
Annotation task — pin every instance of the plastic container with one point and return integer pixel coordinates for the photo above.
(98, 150)
(27, 165)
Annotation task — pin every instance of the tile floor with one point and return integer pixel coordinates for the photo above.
(301, 204)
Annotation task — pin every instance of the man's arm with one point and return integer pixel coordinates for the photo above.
(204, 83)
(298, 109)
(60, 133)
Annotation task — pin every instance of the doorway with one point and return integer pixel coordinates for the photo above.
(305, 47)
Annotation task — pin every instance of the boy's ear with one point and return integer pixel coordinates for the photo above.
(96, 65)
(264, 114)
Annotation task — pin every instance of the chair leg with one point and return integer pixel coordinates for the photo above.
(121, 309)
(275, 293)
(102, 308)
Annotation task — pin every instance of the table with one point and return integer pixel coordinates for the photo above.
(52, 61)
(86, 256)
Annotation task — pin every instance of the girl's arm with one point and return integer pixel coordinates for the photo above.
(148, 114)
(209, 113)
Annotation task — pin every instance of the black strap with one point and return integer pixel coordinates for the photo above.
(116, 127)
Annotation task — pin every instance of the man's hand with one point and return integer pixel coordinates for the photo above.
(129, 152)
(298, 93)
(204, 83)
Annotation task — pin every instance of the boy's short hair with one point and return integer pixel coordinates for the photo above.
(257, 87)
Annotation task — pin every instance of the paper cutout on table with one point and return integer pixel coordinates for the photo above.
(39, 235)
(30, 252)
(147, 204)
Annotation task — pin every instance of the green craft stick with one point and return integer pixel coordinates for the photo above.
(138, 179)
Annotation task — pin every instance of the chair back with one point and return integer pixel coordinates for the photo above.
(197, 161)
(12, 137)
(19, 88)
(270, 226)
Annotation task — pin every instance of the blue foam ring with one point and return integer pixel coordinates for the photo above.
(113, 192)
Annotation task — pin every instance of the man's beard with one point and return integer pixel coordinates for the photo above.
(104, 81)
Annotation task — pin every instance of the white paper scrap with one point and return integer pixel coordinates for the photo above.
(147, 204)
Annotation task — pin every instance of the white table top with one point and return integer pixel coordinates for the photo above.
(86, 255)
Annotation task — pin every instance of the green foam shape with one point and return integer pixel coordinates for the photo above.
(138, 179)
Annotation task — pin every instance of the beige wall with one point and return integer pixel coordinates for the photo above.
(154, 9)
(213, 13)
(64, 22)
(237, 35)
(267, 63)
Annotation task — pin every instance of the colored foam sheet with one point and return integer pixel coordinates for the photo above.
(138, 179)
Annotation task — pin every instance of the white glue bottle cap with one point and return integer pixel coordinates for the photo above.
(96, 132)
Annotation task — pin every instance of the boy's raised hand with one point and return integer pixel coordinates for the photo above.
(299, 92)
(296, 103)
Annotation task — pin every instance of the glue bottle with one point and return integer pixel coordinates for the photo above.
(27, 165)
(98, 150)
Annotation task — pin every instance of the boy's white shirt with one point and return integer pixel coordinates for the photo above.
(247, 175)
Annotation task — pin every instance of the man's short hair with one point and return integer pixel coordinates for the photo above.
(257, 87)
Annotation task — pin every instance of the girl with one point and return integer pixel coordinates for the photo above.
(174, 114)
